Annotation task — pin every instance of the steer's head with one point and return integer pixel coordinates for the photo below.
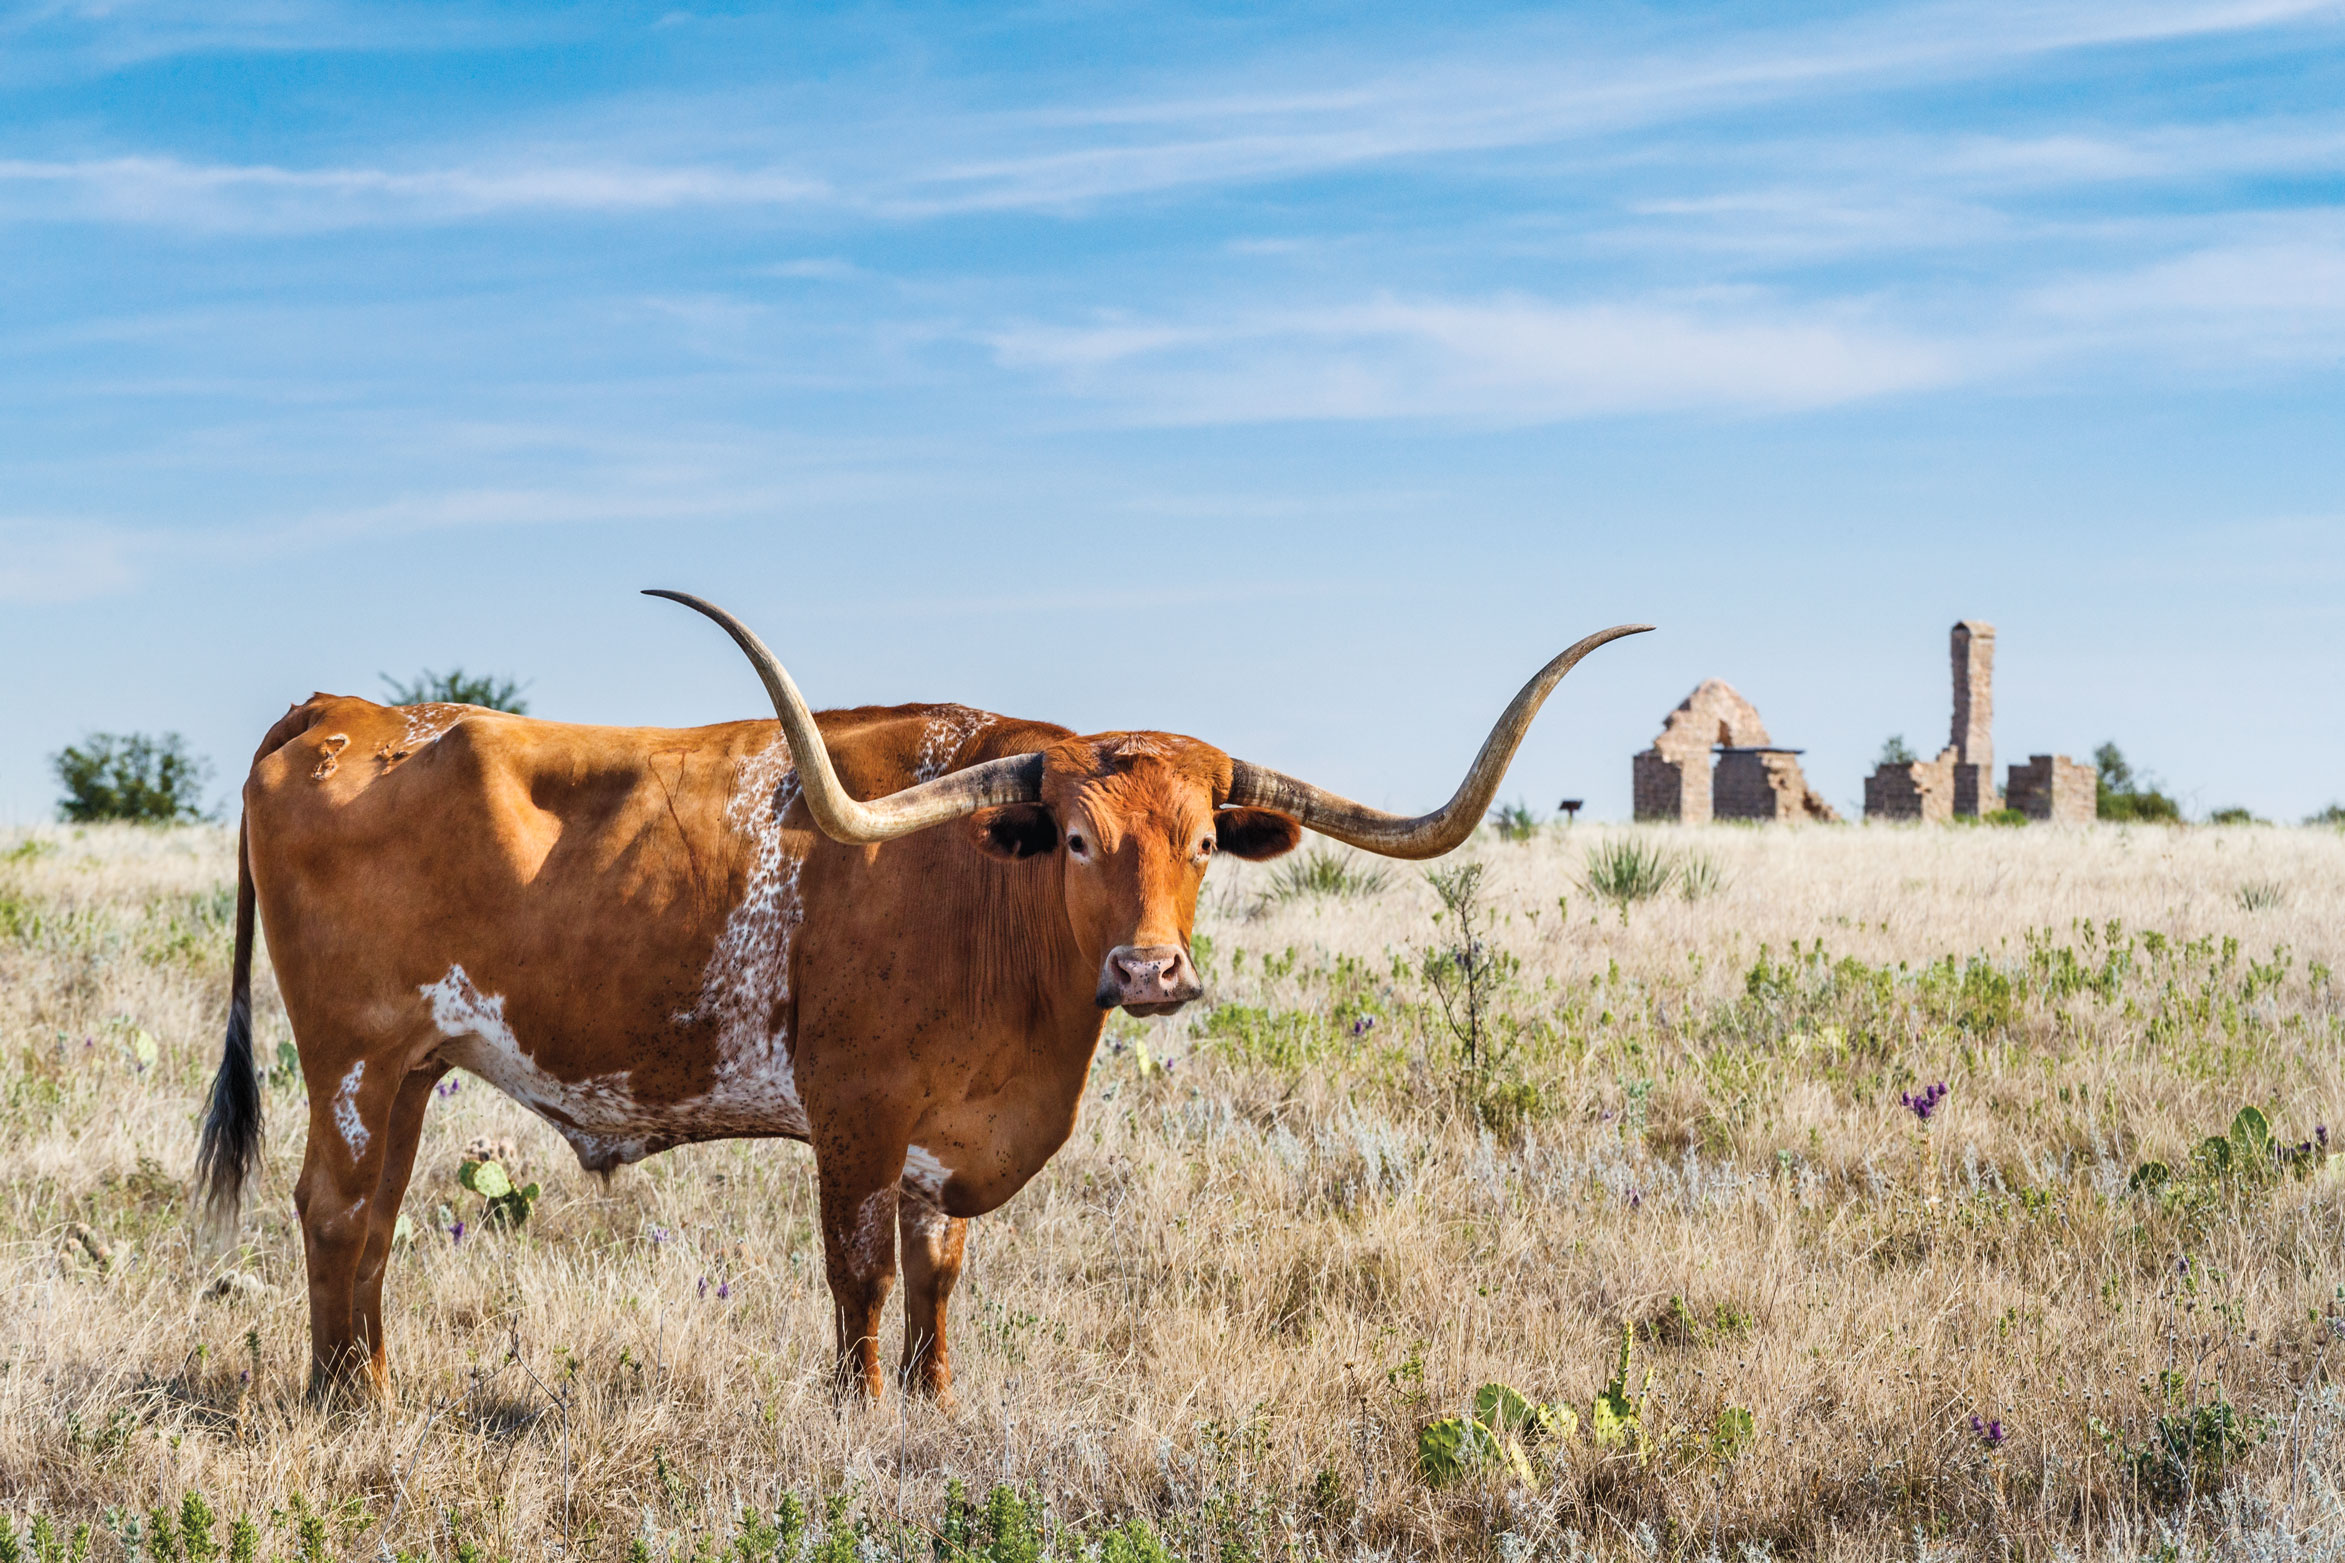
(1136, 817)
(1133, 820)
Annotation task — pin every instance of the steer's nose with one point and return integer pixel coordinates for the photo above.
(1148, 979)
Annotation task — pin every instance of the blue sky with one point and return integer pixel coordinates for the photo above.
(1296, 377)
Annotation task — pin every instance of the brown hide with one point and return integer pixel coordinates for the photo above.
(613, 926)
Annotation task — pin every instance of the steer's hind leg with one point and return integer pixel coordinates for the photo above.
(859, 1250)
(934, 1244)
(401, 1137)
(349, 1142)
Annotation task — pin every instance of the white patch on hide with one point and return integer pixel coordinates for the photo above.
(745, 989)
(346, 1118)
(599, 1116)
(875, 1228)
(924, 1174)
(941, 741)
(429, 722)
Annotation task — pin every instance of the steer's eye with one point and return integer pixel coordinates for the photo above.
(1077, 845)
(1205, 847)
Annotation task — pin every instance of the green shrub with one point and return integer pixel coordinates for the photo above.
(2232, 816)
(1895, 751)
(1515, 822)
(2122, 795)
(1626, 869)
(457, 687)
(1322, 871)
(131, 776)
(2006, 817)
(1698, 876)
(2261, 895)
(2334, 814)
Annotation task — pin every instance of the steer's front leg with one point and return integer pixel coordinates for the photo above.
(934, 1244)
(859, 1251)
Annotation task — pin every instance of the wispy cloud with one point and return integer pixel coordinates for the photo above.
(1505, 361)
(2278, 296)
(45, 560)
(259, 196)
(1528, 87)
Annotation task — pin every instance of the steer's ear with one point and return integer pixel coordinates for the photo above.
(1255, 833)
(1016, 830)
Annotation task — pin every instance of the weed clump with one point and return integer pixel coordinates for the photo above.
(1322, 871)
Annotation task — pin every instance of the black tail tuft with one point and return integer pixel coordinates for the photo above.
(231, 1144)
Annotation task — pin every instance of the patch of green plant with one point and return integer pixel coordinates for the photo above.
(1514, 822)
(1264, 1037)
(1616, 1416)
(140, 777)
(1895, 751)
(2233, 815)
(1323, 871)
(457, 687)
(2334, 814)
(1469, 974)
(1698, 876)
(2007, 818)
(1732, 1433)
(2123, 795)
(2246, 1156)
(2262, 895)
(508, 1206)
(41, 1543)
(1626, 869)
(1504, 1422)
(2188, 1450)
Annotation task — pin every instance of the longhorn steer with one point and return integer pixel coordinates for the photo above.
(651, 937)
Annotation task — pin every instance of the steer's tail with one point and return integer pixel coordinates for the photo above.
(232, 1126)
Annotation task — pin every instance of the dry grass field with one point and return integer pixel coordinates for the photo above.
(1296, 1226)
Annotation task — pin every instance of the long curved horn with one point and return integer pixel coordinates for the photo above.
(1428, 835)
(1017, 779)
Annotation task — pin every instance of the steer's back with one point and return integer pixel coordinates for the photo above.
(540, 902)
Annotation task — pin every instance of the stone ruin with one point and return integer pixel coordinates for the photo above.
(1753, 777)
(1961, 780)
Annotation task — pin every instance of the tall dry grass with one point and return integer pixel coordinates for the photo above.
(1234, 1298)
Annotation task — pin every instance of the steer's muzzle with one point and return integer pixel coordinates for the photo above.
(1148, 979)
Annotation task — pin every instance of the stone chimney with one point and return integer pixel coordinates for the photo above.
(1972, 745)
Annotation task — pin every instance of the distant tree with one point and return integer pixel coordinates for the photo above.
(1895, 752)
(2233, 816)
(131, 776)
(457, 687)
(2334, 814)
(2116, 774)
(2124, 795)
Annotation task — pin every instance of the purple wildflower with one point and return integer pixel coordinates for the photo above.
(704, 1286)
(724, 1290)
(456, 1232)
(2320, 1132)
(1923, 1103)
(244, 1376)
(1636, 1198)
(1990, 1431)
(447, 1087)
(1362, 1026)
(660, 1235)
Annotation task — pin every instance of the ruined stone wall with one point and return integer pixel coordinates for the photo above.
(1972, 742)
(1921, 790)
(2054, 788)
(1665, 789)
(1671, 780)
(1765, 784)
